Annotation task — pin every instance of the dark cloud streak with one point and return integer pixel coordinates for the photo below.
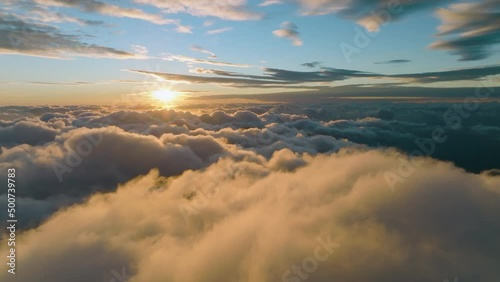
(398, 61)
(27, 38)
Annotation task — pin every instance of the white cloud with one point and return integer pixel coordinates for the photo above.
(208, 23)
(289, 30)
(141, 50)
(270, 2)
(183, 29)
(186, 59)
(219, 31)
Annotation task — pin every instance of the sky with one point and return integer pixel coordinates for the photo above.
(249, 141)
(97, 52)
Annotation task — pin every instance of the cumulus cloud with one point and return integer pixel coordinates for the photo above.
(441, 222)
(223, 9)
(35, 39)
(50, 145)
(45, 140)
(471, 30)
(290, 31)
(26, 132)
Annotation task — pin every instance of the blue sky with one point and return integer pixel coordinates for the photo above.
(54, 63)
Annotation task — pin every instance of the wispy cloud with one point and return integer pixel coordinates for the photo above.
(290, 31)
(200, 49)
(96, 6)
(229, 81)
(220, 172)
(27, 38)
(208, 23)
(223, 9)
(186, 59)
(397, 61)
(274, 77)
(218, 31)
(183, 29)
(43, 14)
(472, 29)
(368, 13)
(451, 75)
(270, 2)
(271, 78)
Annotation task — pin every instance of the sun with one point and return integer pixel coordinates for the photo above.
(164, 95)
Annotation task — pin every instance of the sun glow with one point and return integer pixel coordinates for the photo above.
(165, 95)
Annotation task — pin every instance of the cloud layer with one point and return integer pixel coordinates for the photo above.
(252, 221)
(67, 154)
